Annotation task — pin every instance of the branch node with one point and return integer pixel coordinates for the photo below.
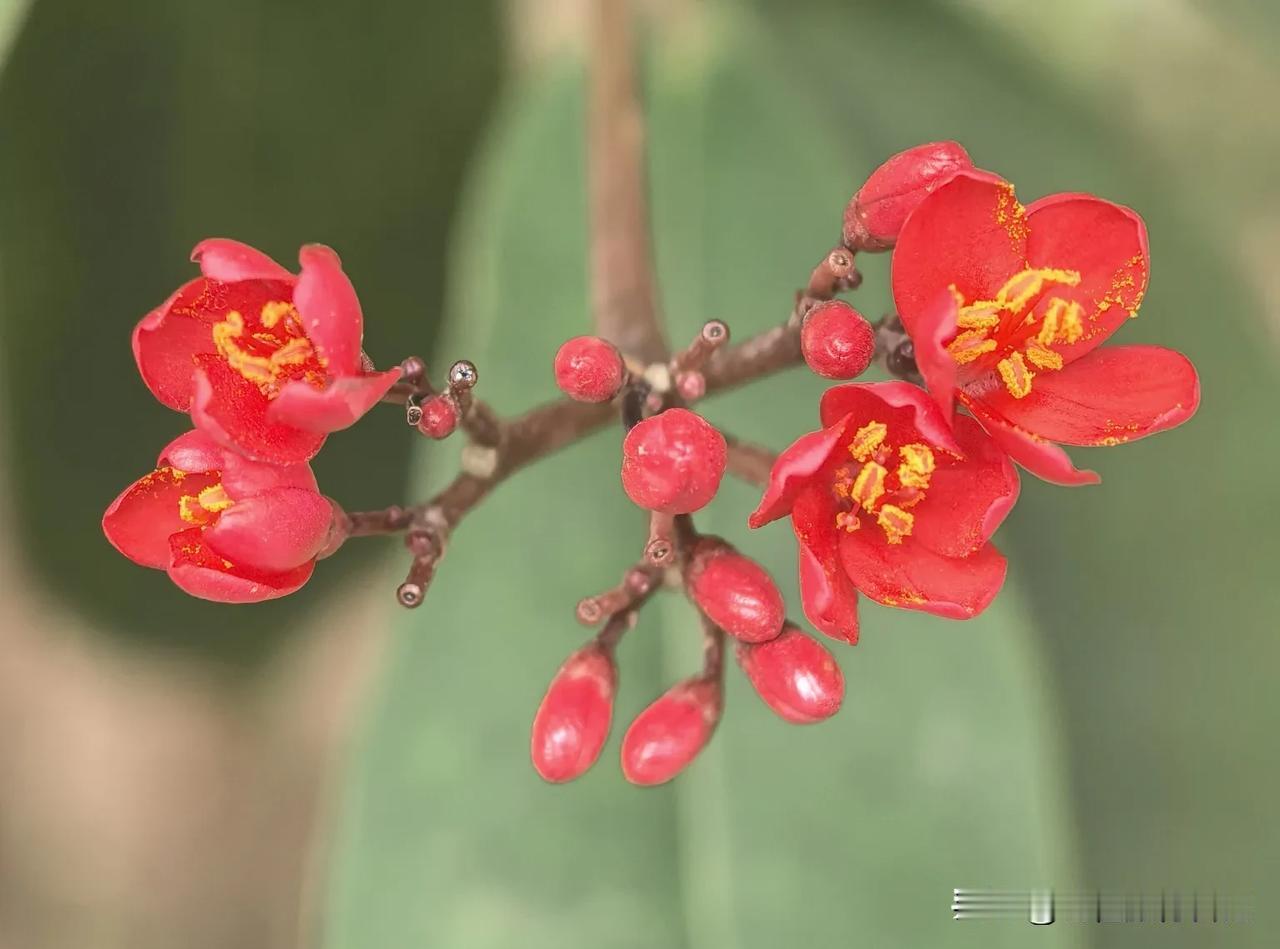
(479, 461)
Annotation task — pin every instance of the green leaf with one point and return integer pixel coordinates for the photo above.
(941, 771)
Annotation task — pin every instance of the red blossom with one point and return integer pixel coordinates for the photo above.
(888, 500)
(673, 462)
(266, 363)
(224, 527)
(573, 720)
(837, 342)
(875, 215)
(1007, 306)
(794, 675)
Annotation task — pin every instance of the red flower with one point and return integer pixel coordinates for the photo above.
(266, 363)
(223, 527)
(889, 501)
(1007, 305)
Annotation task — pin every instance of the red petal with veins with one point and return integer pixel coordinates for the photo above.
(204, 574)
(139, 522)
(1042, 458)
(229, 261)
(1112, 395)
(340, 404)
(795, 467)
(829, 599)
(330, 310)
(971, 233)
(935, 328)
(1107, 245)
(274, 531)
(233, 412)
(966, 501)
(910, 576)
(907, 409)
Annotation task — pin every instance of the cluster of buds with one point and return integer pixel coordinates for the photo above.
(997, 351)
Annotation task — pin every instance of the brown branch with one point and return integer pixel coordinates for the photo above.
(752, 463)
(623, 291)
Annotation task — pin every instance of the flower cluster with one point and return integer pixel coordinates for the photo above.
(997, 360)
(266, 363)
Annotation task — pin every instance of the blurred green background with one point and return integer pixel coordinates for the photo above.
(327, 771)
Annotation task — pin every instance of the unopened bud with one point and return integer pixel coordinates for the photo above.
(439, 417)
(670, 733)
(589, 369)
(875, 215)
(572, 722)
(795, 675)
(673, 462)
(836, 341)
(735, 592)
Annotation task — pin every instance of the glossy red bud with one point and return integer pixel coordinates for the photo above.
(589, 369)
(673, 462)
(735, 592)
(836, 341)
(573, 720)
(875, 215)
(795, 676)
(671, 732)
(439, 417)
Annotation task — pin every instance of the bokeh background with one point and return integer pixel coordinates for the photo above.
(328, 771)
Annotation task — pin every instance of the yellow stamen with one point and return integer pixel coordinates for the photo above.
(275, 311)
(978, 316)
(917, 465)
(869, 485)
(867, 440)
(204, 507)
(847, 521)
(1017, 377)
(969, 345)
(1042, 357)
(1072, 323)
(896, 522)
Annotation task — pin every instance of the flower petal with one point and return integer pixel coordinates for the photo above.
(140, 521)
(329, 308)
(1107, 245)
(970, 234)
(935, 328)
(192, 451)
(202, 573)
(830, 601)
(229, 261)
(273, 531)
(966, 501)
(794, 468)
(1042, 458)
(901, 405)
(1110, 396)
(338, 405)
(233, 412)
(911, 576)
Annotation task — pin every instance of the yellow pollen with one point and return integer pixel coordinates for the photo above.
(847, 521)
(203, 508)
(867, 440)
(269, 357)
(983, 315)
(843, 482)
(1072, 323)
(1043, 358)
(1017, 377)
(896, 522)
(275, 311)
(917, 465)
(969, 345)
(869, 485)
(292, 353)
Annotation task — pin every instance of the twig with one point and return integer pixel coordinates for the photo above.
(752, 463)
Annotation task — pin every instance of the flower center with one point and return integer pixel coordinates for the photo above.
(882, 485)
(1021, 327)
(269, 348)
(205, 507)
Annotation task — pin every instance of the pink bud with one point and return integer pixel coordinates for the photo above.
(573, 720)
(671, 732)
(673, 462)
(439, 417)
(795, 676)
(735, 592)
(589, 369)
(877, 212)
(836, 341)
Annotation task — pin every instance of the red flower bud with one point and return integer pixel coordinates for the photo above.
(735, 592)
(795, 676)
(877, 212)
(439, 417)
(589, 369)
(673, 462)
(836, 341)
(668, 734)
(573, 720)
